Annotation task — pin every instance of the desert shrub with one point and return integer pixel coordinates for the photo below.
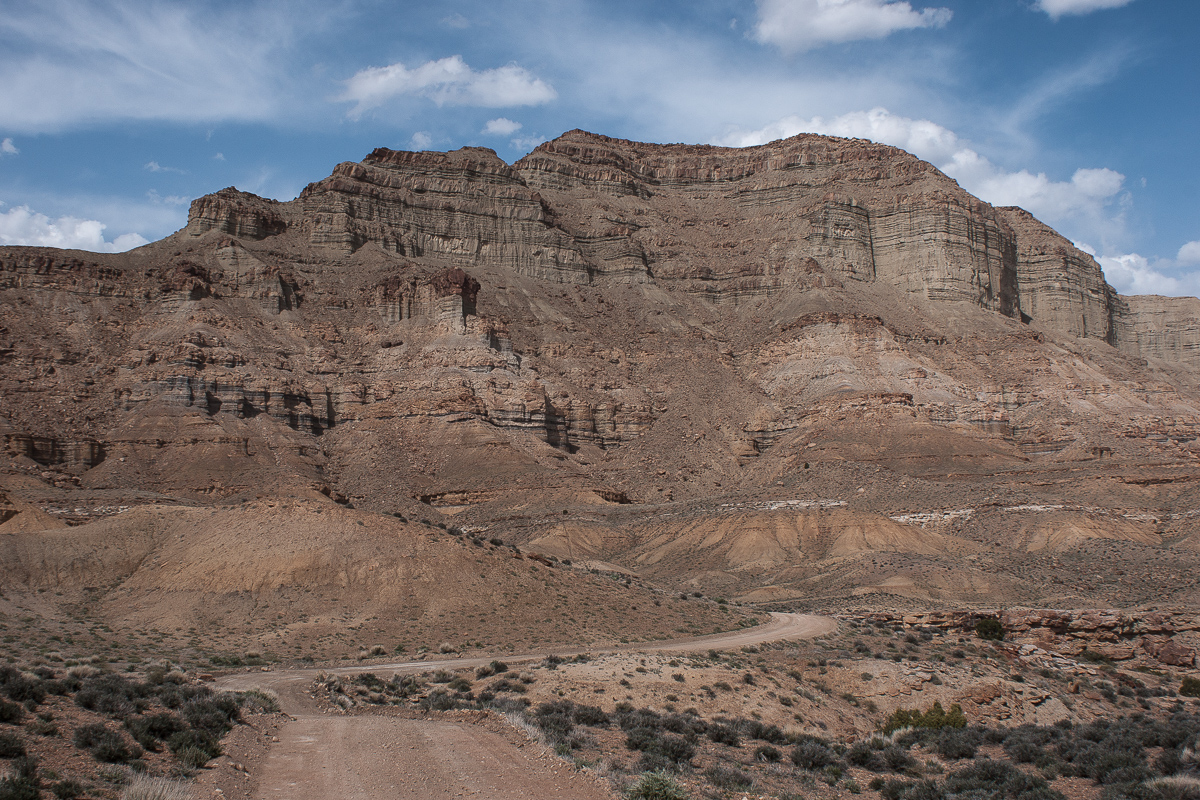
(193, 739)
(22, 782)
(110, 694)
(1108, 752)
(812, 753)
(934, 718)
(664, 749)
(192, 757)
(262, 701)
(989, 629)
(997, 779)
(753, 729)
(370, 680)
(149, 731)
(1190, 687)
(68, 789)
(767, 753)
(657, 785)
(459, 684)
(10, 713)
(143, 787)
(724, 777)
(11, 745)
(104, 744)
(892, 789)
(1177, 787)
(590, 715)
(215, 714)
(555, 720)
(628, 718)
(897, 759)
(20, 687)
(862, 754)
(505, 685)
(42, 727)
(684, 724)
(723, 734)
(438, 700)
(956, 743)
(1028, 744)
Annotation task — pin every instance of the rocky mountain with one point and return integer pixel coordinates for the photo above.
(812, 369)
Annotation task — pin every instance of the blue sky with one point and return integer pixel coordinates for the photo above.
(115, 115)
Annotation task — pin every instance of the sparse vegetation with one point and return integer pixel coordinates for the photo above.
(656, 785)
(989, 629)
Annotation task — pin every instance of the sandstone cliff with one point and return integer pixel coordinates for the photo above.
(608, 323)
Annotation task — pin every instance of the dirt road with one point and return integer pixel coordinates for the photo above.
(363, 757)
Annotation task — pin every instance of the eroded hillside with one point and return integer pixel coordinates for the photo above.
(812, 369)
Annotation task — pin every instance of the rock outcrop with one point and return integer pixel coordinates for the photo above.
(239, 214)
(1106, 633)
(1166, 328)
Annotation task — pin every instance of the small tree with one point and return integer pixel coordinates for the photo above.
(1190, 687)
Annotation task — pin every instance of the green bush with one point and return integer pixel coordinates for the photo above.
(1190, 687)
(656, 786)
(934, 718)
(989, 629)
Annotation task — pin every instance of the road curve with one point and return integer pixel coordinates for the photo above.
(370, 756)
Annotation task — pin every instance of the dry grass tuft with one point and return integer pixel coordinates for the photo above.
(143, 787)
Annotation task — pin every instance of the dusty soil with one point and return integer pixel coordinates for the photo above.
(468, 754)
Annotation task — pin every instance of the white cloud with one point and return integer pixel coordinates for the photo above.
(501, 127)
(67, 63)
(527, 142)
(447, 81)
(421, 140)
(219, 157)
(154, 166)
(8, 148)
(1189, 253)
(1131, 273)
(170, 200)
(1058, 8)
(796, 25)
(23, 226)
(1083, 199)
(456, 21)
